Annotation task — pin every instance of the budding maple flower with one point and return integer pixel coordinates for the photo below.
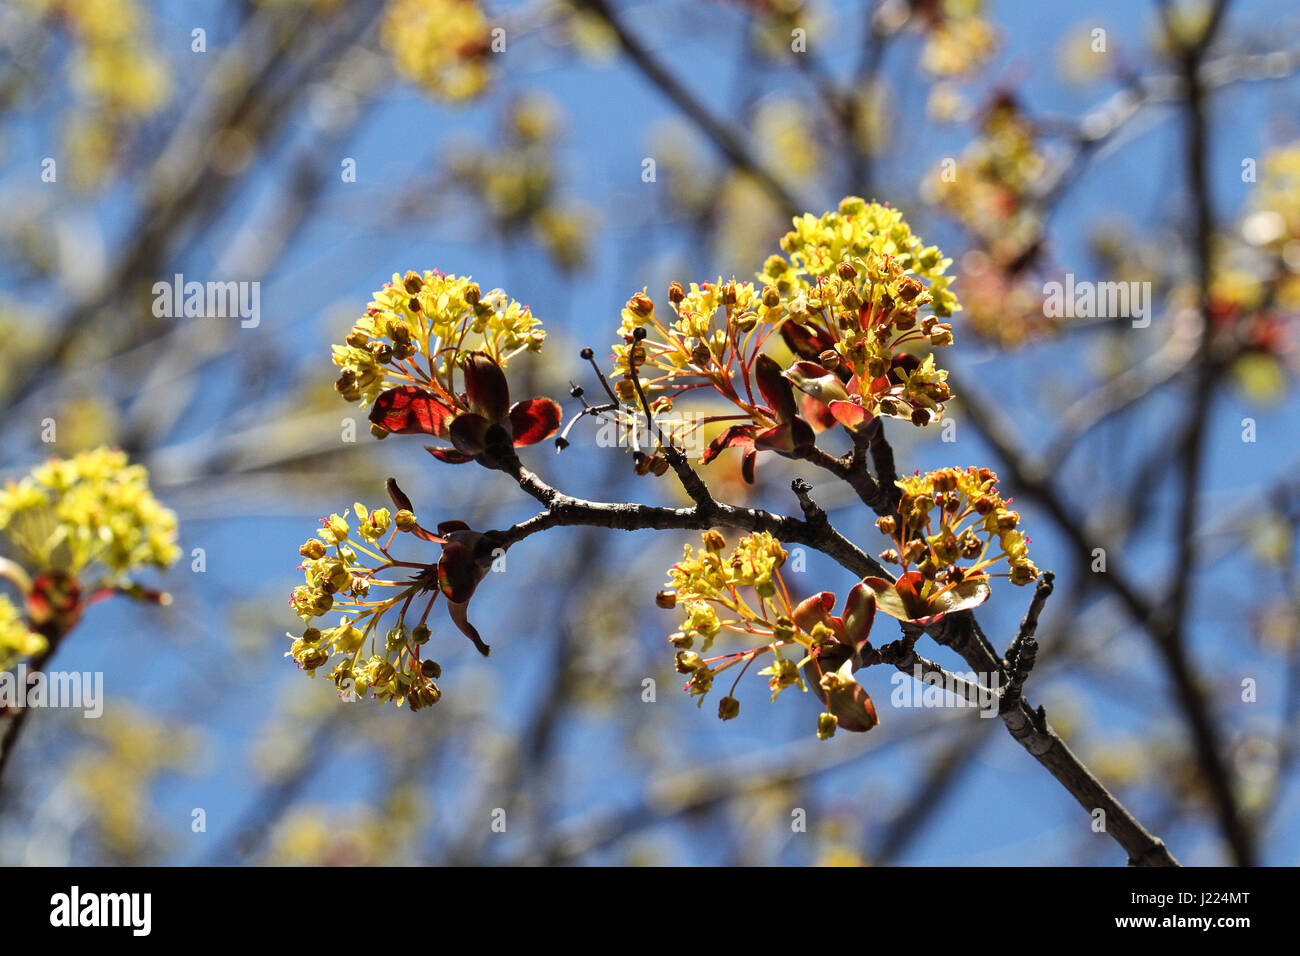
(687, 662)
(404, 520)
(313, 548)
(826, 724)
(728, 708)
(1022, 574)
(666, 599)
(640, 305)
(714, 541)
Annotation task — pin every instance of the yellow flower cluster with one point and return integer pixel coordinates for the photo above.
(713, 325)
(318, 835)
(339, 579)
(93, 508)
(419, 324)
(1278, 194)
(744, 593)
(995, 174)
(958, 40)
(17, 641)
(865, 288)
(517, 180)
(117, 73)
(858, 230)
(877, 311)
(705, 583)
(129, 751)
(1002, 306)
(711, 338)
(952, 525)
(443, 45)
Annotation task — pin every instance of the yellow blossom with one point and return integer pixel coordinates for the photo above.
(91, 509)
(17, 641)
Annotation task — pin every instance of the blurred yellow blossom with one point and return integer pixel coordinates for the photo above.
(17, 641)
(91, 509)
(442, 45)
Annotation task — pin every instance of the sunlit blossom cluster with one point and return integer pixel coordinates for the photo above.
(418, 326)
(742, 594)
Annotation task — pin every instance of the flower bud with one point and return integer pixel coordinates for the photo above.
(713, 540)
(728, 708)
(771, 298)
(666, 600)
(412, 282)
(826, 724)
(1023, 574)
(310, 658)
(314, 549)
(404, 520)
(675, 292)
(640, 305)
